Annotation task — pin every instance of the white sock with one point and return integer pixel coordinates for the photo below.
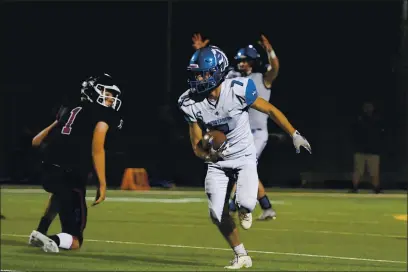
(65, 240)
(240, 250)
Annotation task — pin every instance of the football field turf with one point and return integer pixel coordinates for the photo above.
(171, 231)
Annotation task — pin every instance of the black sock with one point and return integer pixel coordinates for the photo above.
(44, 225)
(265, 203)
(55, 238)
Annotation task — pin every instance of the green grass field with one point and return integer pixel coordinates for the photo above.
(171, 231)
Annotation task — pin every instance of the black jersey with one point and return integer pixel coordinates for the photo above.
(69, 144)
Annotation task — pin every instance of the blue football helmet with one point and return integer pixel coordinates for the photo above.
(247, 53)
(208, 68)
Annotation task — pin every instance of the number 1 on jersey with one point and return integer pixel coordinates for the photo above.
(67, 128)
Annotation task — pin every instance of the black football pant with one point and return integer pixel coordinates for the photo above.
(69, 191)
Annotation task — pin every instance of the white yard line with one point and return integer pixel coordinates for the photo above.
(226, 249)
(201, 192)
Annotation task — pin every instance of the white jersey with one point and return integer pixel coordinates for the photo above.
(257, 119)
(229, 114)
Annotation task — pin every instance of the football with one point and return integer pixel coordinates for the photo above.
(213, 138)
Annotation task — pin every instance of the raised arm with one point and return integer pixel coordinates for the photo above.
(272, 73)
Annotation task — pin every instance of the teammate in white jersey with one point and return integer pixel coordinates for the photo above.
(213, 102)
(248, 60)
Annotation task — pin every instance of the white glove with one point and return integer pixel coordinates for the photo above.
(222, 151)
(299, 140)
(214, 155)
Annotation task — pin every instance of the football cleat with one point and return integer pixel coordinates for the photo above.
(245, 220)
(47, 244)
(239, 262)
(267, 214)
(33, 241)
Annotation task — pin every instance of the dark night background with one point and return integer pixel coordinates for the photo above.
(333, 56)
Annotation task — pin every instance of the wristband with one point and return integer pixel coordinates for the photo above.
(295, 133)
(272, 54)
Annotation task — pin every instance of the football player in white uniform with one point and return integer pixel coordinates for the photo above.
(214, 102)
(248, 60)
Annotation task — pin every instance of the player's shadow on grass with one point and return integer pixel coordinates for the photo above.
(116, 258)
(9, 242)
(140, 258)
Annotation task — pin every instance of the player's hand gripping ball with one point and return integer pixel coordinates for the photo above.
(214, 139)
(215, 143)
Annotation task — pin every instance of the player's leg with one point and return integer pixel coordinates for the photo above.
(51, 179)
(72, 212)
(358, 171)
(247, 189)
(50, 213)
(218, 186)
(232, 206)
(2, 216)
(39, 239)
(373, 168)
(267, 211)
(260, 141)
(73, 219)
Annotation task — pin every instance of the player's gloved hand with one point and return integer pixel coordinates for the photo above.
(299, 140)
(215, 155)
(100, 195)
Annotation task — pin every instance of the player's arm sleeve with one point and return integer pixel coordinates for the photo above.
(186, 110)
(189, 116)
(112, 119)
(251, 93)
